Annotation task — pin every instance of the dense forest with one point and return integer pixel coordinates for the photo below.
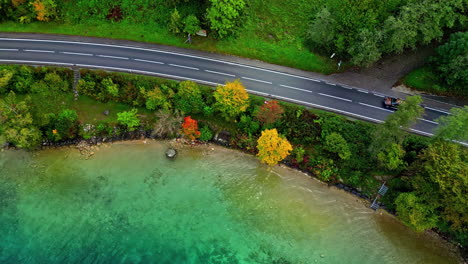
(427, 176)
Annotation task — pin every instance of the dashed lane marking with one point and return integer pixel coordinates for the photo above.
(43, 51)
(376, 107)
(185, 67)
(295, 88)
(336, 97)
(256, 80)
(155, 62)
(437, 110)
(221, 73)
(113, 57)
(77, 53)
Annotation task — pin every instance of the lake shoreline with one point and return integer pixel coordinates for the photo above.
(90, 147)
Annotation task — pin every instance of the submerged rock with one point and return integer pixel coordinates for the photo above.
(171, 153)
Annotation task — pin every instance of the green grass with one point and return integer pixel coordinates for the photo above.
(424, 79)
(272, 33)
(91, 111)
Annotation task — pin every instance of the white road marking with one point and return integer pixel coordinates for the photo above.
(318, 106)
(346, 87)
(314, 80)
(186, 67)
(117, 69)
(113, 57)
(39, 62)
(77, 53)
(429, 121)
(437, 110)
(222, 73)
(421, 132)
(155, 62)
(252, 79)
(8, 49)
(330, 83)
(294, 88)
(379, 95)
(376, 107)
(336, 97)
(43, 51)
(362, 91)
(159, 51)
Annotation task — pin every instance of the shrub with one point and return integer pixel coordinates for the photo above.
(298, 153)
(129, 119)
(190, 128)
(269, 112)
(248, 125)
(206, 134)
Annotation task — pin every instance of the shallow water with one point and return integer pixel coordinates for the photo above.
(129, 204)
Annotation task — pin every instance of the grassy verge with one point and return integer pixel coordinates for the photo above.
(424, 79)
(249, 44)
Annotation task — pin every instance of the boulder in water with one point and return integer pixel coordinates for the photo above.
(171, 153)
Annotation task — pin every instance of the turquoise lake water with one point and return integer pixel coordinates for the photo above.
(129, 204)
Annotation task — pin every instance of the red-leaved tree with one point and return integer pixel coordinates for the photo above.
(270, 112)
(190, 128)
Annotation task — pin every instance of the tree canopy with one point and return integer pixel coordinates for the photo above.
(272, 147)
(231, 99)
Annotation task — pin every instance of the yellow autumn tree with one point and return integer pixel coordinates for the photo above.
(231, 99)
(272, 147)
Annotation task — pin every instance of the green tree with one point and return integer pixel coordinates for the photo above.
(175, 24)
(129, 119)
(189, 98)
(17, 124)
(454, 126)
(156, 99)
(322, 31)
(388, 137)
(63, 126)
(441, 181)
(224, 16)
(414, 212)
(5, 77)
(111, 88)
(248, 125)
(451, 62)
(335, 143)
(366, 49)
(191, 24)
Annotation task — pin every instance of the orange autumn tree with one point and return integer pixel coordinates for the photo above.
(269, 112)
(190, 128)
(272, 147)
(231, 99)
(45, 9)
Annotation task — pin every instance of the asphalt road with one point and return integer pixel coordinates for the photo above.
(342, 99)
